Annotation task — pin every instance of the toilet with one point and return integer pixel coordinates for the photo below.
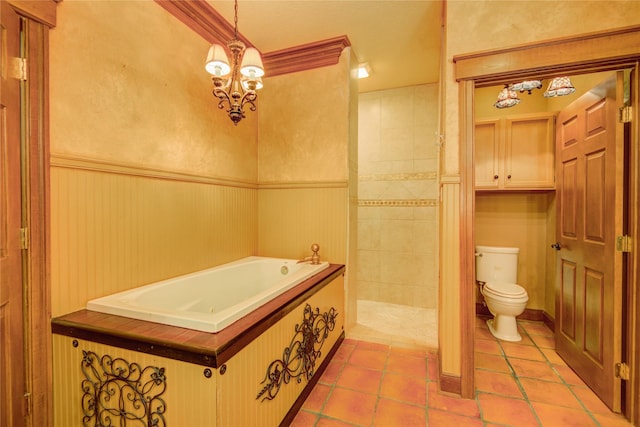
(496, 272)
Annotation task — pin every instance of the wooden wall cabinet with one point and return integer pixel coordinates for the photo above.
(515, 153)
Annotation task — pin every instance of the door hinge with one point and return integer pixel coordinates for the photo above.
(625, 114)
(28, 403)
(18, 68)
(622, 371)
(24, 238)
(623, 243)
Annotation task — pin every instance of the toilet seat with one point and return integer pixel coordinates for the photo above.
(509, 291)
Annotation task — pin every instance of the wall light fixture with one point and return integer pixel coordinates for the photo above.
(559, 86)
(508, 96)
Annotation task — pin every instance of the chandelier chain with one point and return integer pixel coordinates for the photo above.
(235, 20)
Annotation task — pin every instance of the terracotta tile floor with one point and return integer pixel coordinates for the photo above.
(517, 385)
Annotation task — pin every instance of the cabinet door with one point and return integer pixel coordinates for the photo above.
(487, 146)
(529, 152)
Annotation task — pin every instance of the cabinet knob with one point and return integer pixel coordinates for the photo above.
(508, 176)
(495, 176)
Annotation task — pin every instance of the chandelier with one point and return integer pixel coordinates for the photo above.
(235, 83)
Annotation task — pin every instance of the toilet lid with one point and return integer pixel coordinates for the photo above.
(510, 290)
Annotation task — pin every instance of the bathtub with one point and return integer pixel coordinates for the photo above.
(211, 299)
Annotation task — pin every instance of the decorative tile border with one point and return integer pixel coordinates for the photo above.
(398, 203)
(417, 176)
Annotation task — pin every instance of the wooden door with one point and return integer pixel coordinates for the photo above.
(589, 172)
(12, 378)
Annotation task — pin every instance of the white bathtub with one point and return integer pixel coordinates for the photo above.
(212, 299)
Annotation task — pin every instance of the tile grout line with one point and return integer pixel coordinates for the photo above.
(550, 364)
(320, 414)
(517, 380)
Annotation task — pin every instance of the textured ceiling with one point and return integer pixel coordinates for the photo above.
(399, 39)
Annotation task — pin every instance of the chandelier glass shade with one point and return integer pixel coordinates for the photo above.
(235, 82)
(559, 86)
(507, 98)
(527, 85)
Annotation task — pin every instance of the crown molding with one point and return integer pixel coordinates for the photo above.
(203, 19)
(305, 57)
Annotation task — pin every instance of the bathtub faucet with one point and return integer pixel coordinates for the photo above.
(314, 258)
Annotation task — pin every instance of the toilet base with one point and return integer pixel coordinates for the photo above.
(504, 328)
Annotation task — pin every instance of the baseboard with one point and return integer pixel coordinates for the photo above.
(532, 314)
(450, 384)
(549, 321)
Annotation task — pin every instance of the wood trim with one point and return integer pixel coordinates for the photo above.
(38, 290)
(202, 18)
(467, 243)
(588, 52)
(40, 11)
(450, 384)
(549, 321)
(202, 348)
(97, 165)
(120, 168)
(305, 57)
(633, 262)
(302, 184)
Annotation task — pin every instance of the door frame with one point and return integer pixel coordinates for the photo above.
(593, 52)
(38, 18)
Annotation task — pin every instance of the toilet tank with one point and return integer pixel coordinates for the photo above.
(496, 264)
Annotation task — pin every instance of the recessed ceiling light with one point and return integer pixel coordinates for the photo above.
(364, 70)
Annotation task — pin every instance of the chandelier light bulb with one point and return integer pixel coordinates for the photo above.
(252, 63)
(217, 62)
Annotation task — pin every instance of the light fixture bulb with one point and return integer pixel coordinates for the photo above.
(217, 62)
(252, 84)
(252, 63)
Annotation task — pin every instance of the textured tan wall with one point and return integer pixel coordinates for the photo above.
(485, 25)
(128, 85)
(304, 133)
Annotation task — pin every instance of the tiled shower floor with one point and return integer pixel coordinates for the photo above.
(522, 384)
(396, 325)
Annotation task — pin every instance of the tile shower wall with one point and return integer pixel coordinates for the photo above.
(398, 196)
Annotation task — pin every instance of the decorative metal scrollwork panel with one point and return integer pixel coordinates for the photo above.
(299, 359)
(119, 393)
